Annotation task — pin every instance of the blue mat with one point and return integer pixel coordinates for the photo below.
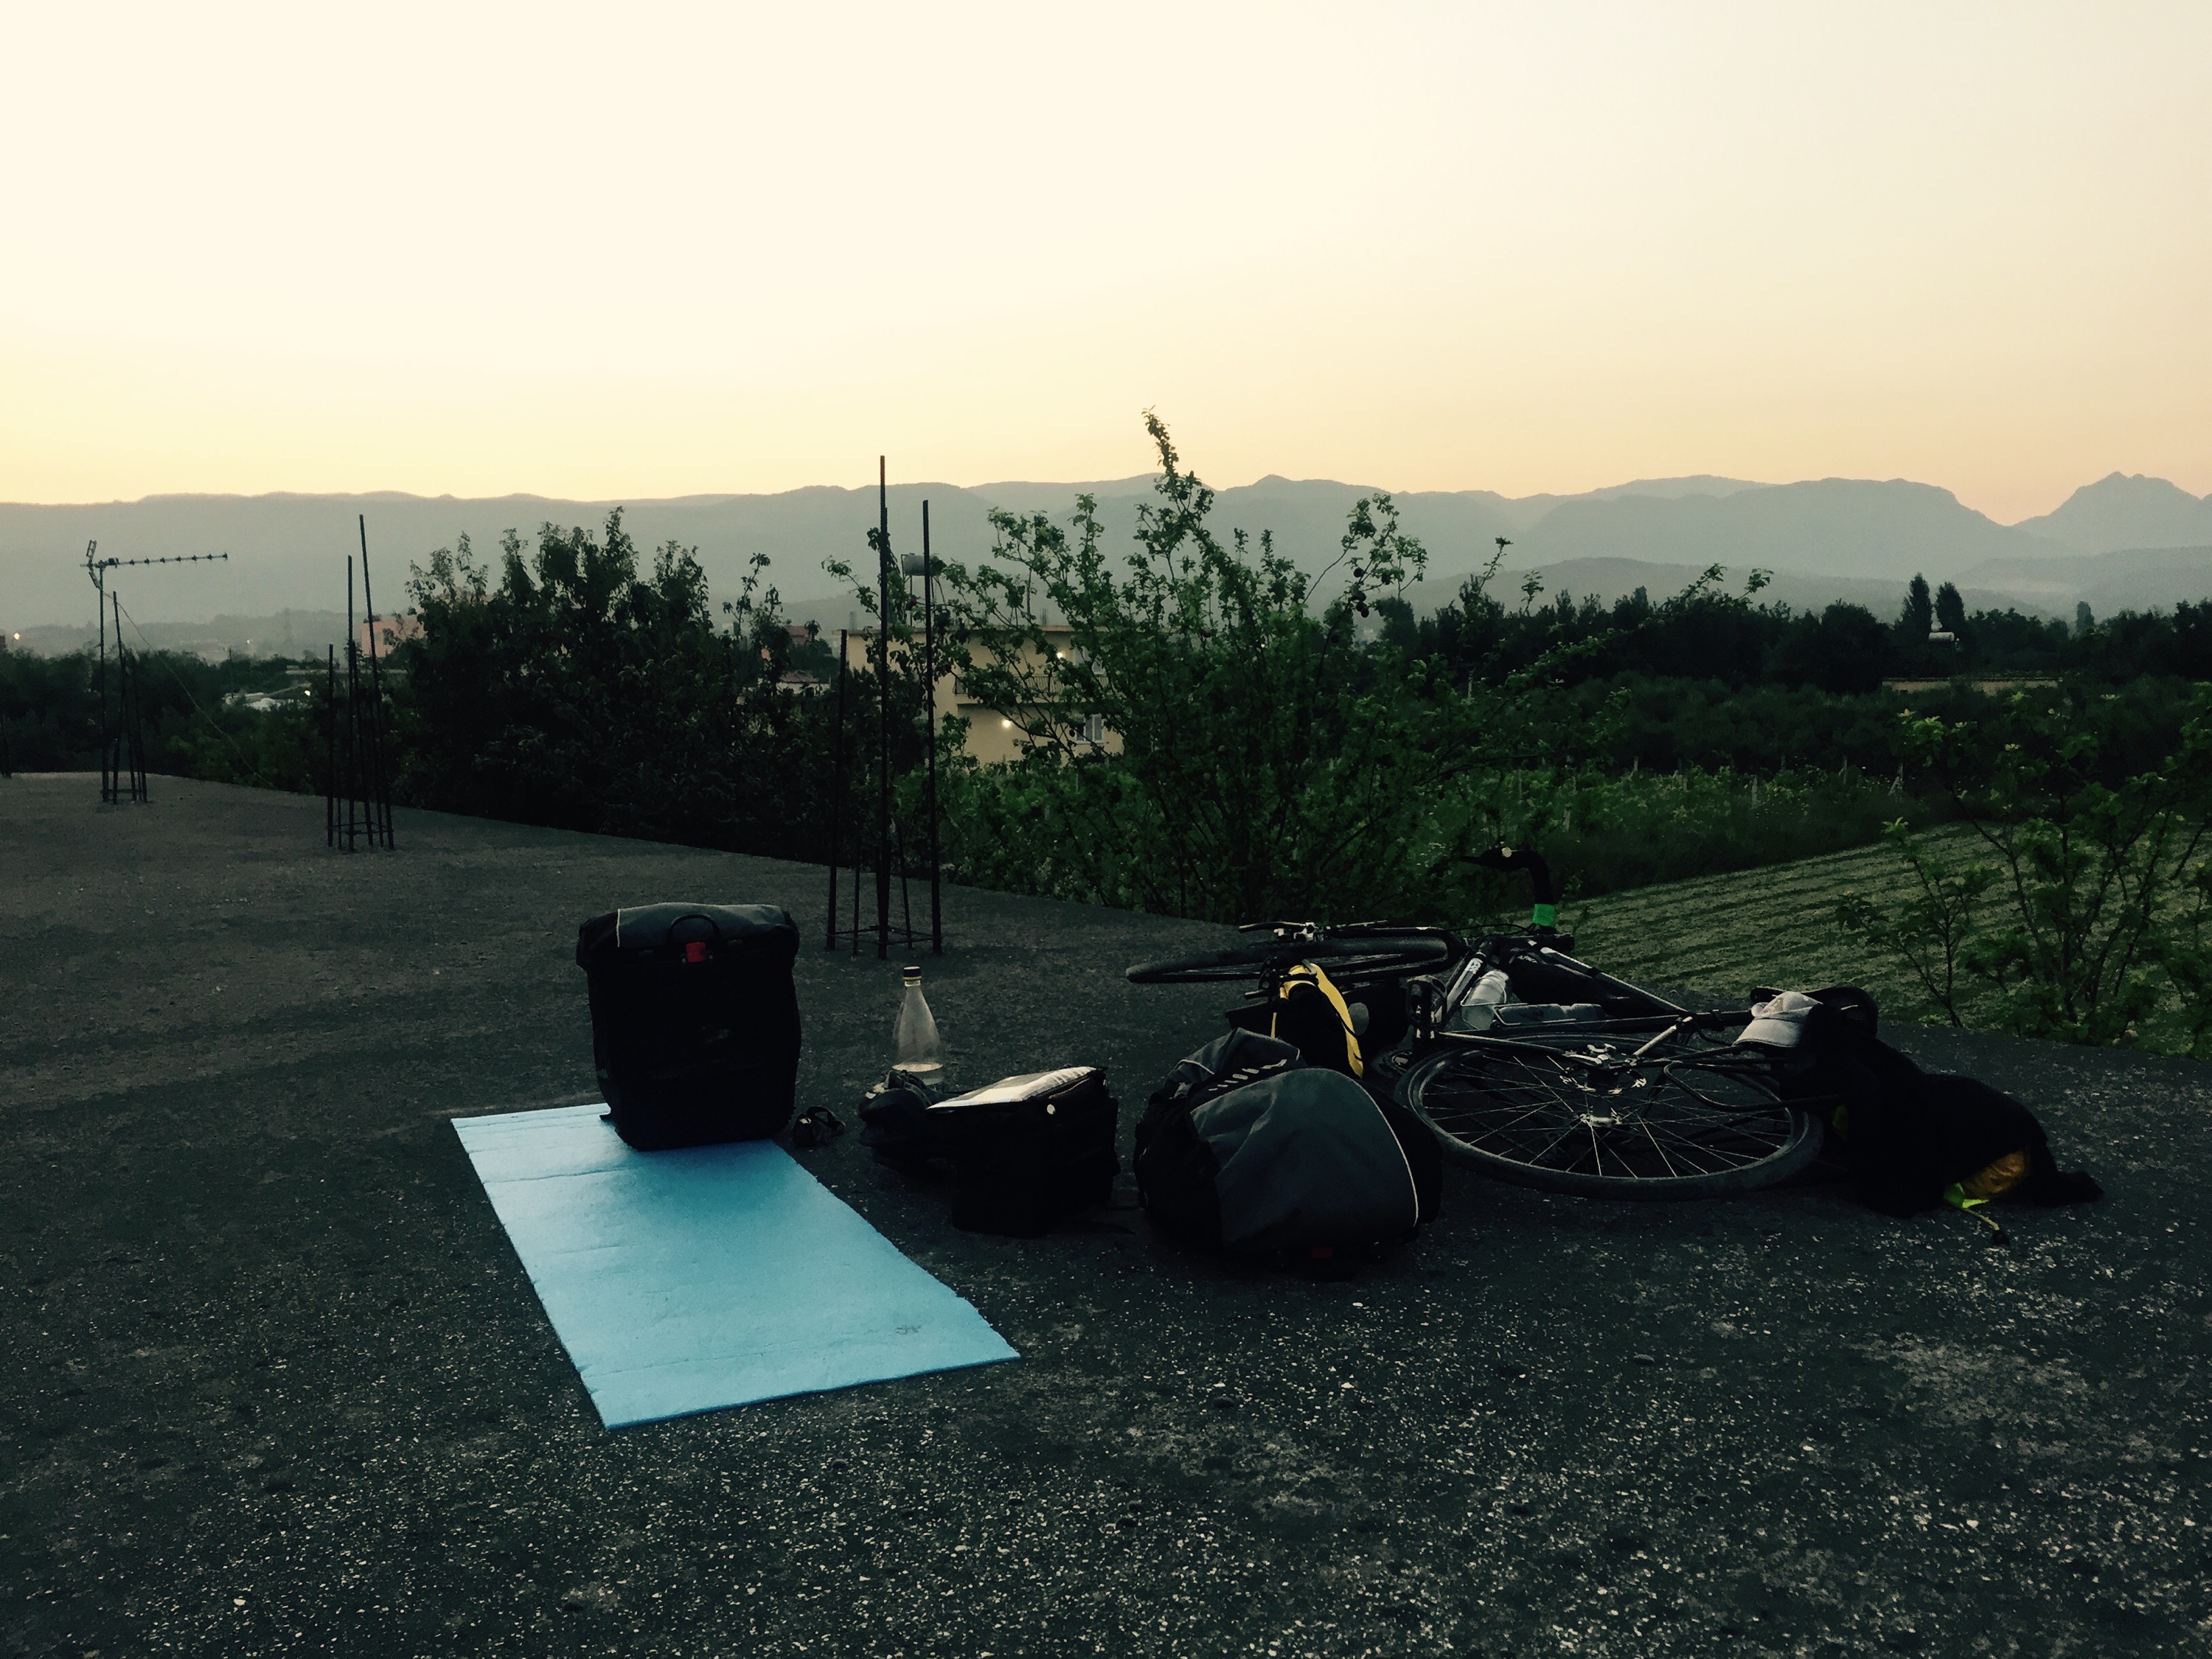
(685, 1281)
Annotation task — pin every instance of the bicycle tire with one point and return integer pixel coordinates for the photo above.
(1346, 958)
(1607, 1126)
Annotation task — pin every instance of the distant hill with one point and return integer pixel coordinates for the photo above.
(288, 551)
(2124, 511)
(2134, 578)
(1848, 528)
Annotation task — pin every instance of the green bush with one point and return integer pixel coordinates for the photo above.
(579, 692)
(2082, 913)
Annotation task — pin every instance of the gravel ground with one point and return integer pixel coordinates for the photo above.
(274, 1382)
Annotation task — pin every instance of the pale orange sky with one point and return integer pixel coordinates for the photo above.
(642, 251)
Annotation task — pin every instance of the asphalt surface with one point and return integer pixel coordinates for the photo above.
(271, 1381)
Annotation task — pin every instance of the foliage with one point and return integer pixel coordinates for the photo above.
(1266, 762)
(1708, 634)
(1931, 929)
(2085, 923)
(578, 692)
(51, 710)
(1604, 834)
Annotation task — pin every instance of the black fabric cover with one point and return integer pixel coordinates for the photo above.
(1025, 1153)
(695, 1020)
(1247, 1147)
(1906, 1135)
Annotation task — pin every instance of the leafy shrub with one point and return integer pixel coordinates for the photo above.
(1268, 762)
(579, 693)
(2084, 916)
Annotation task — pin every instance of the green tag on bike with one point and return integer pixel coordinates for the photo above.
(1544, 915)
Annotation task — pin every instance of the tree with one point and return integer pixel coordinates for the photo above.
(2095, 928)
(581, 693)
(1919, 616)
(1951, 609)
(1844, 650)
(1936, 924)
(1269, 764)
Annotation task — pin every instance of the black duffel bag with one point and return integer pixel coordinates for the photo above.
(695, 1020)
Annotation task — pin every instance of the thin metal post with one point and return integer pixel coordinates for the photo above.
(883, 712)
(929, 728)
(129, 741)
(837, 800)
(353, 717)
(98, 573)
(381, 807)
(331, 753)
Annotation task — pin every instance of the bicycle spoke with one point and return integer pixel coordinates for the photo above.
(1601, 1120)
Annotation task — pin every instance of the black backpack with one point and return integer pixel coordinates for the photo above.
(1248, 1148)
(1024, 1152)
(695, 1020)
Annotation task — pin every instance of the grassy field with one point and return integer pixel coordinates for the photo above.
(1723, 934)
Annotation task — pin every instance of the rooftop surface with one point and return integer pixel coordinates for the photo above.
(272, 1380)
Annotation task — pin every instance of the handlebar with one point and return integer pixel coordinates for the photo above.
(1544, 914)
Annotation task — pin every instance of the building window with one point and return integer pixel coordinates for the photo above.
(1094, 729)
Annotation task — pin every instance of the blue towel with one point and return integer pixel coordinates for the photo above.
(685, 1281)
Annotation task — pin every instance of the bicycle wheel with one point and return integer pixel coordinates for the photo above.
(1349, 959)
(1607, 1126)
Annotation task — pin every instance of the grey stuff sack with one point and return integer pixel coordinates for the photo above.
(1247, 1147)
(1307, 1160)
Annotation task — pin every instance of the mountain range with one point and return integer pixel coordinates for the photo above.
(1825, 538)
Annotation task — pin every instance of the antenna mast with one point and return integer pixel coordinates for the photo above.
(113, 742)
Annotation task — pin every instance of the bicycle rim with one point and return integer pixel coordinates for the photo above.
(1604, 1126)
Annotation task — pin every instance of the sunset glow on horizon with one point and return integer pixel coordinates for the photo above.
(669, 249)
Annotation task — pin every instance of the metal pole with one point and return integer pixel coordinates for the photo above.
(884, 712)
(331, 753)
(837, 798)
(353, 715)
(130, 743)
(99, 590)
(382, 821)
(929, 721)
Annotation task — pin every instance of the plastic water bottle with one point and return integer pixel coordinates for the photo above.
(920, 1053)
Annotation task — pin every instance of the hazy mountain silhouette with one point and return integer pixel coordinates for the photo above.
(2122, 511)
(1832, 527)
(288, 551)
(2132, 578)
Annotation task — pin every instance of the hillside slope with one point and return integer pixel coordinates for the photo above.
(1720, 935)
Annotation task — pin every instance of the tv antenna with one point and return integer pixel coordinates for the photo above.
(123, 741)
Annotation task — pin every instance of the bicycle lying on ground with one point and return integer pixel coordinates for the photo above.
(1532, 1065)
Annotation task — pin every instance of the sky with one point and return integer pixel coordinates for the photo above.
(629, 251)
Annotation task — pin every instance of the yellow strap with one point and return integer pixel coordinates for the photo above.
(1307, 972)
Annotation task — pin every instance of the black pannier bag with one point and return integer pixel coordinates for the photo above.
(695, 1020)
(1248, 1147)
(1024, 1152)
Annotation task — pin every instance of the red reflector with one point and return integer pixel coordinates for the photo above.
(1322, 1252)
(695, 951)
